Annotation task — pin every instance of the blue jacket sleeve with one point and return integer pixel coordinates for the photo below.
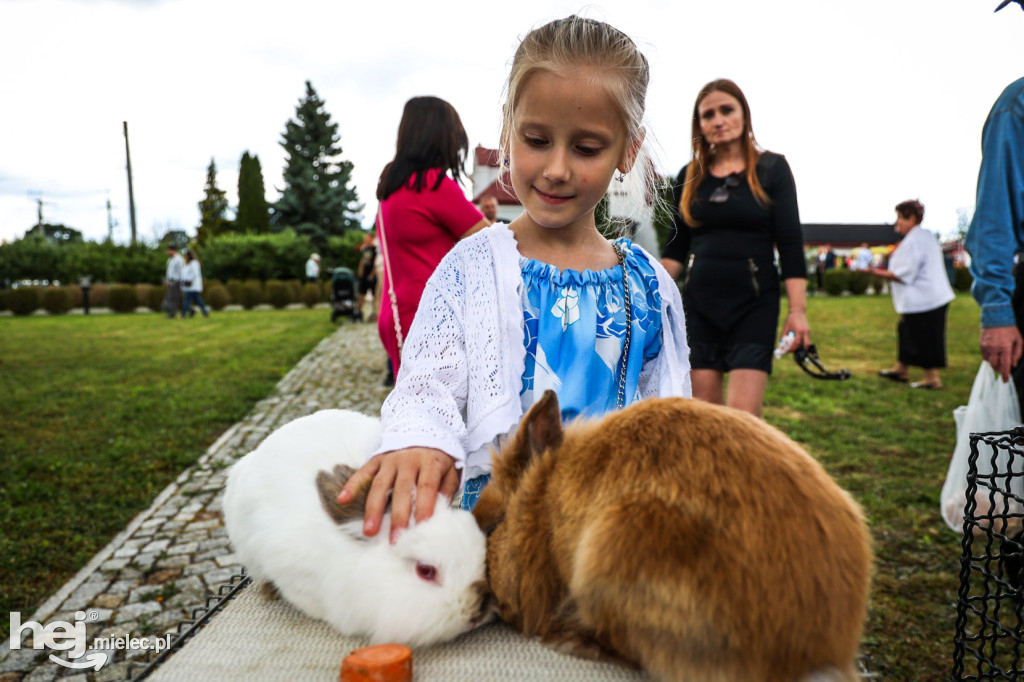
(997, 229)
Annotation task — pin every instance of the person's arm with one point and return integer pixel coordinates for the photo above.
(789, 241)
(677, 247)
(796, 318)
(996, 232)
(476, 228)
(424, 431)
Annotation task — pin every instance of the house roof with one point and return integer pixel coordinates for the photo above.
(500, 188)
(485, 156)
(850, 235)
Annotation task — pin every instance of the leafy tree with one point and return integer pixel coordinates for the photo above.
(213, 208)
(176, 238)
(253, 215)
(57, 234)
(317, 200)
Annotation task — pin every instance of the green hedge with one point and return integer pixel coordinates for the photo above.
(962, 279)
(121, 298)
(57, 300)
(280, 256)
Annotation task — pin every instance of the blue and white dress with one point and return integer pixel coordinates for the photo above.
(574, 334)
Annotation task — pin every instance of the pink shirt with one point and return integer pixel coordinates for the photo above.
(420, 228)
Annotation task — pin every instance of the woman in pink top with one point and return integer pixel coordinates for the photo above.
(423, 209)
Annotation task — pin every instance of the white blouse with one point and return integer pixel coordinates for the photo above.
(463, 361)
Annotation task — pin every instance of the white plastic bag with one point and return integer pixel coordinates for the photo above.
(992, 407)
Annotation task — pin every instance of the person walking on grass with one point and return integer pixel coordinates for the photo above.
(192, 282)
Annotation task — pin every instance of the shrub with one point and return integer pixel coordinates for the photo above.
(23, 300)
(217, 297)
(326, 289)
(98, 295)
(155, 298)
(278, 294)
(251, 295)
(57, 300)
(234, 287)
(877, 283)
(121, 298)
(142, 293)
(4, 293)
(76, 295)
(310, 294)
(962, 279)
(295, 287)
(836, 281)
(859, 281)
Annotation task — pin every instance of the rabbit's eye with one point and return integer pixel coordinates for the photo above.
(426, 572)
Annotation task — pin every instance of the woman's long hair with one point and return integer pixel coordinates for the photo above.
(697, 171)
(430, 136)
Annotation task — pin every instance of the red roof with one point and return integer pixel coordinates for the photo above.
(486, 157)
(500, 188)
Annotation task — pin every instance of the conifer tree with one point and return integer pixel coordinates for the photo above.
(213, 208)
(317, 200)
(253, 215)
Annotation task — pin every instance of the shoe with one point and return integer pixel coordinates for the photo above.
(925, 384)
(892, 375)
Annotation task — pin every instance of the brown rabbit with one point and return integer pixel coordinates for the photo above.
(690, 539)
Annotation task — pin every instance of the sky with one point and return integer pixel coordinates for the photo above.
(872, 102)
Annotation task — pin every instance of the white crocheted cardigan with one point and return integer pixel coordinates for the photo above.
(464, 357)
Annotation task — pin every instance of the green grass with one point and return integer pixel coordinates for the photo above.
(98, 414)
(890, 447)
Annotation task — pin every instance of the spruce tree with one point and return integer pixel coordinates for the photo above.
(253, 215)
(317, 200)
(213, 208)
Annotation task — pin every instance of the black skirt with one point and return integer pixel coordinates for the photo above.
(922, 338)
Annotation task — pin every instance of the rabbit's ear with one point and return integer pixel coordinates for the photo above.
(544, 423)
(329, 486)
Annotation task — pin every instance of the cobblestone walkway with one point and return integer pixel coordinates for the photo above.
(175, 554)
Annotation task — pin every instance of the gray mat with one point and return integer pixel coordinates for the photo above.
(255, 640)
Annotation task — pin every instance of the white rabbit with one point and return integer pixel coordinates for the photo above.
(287, 528)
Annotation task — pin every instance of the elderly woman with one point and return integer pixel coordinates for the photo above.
(921, 295)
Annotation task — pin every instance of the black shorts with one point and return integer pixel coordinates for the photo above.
(732, 314)
(367, 284)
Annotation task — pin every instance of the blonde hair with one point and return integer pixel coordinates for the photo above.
(698, 168)
(578, 41)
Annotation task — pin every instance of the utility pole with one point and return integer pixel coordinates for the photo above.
(110, 222)
(131, 193)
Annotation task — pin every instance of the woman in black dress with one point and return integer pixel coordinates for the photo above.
(736, 205)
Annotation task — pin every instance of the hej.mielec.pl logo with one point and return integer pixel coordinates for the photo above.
(60, 635)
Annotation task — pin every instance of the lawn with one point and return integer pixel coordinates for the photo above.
(890, 447)
(100, 413)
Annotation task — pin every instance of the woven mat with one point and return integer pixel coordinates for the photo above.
(254, 640)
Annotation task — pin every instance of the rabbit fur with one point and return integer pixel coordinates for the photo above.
(287, 528)
(692, 540)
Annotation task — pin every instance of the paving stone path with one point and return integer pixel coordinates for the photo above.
(174, 555)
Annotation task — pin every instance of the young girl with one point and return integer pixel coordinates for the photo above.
(544, 302)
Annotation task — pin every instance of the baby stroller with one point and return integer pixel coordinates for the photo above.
(343, 293)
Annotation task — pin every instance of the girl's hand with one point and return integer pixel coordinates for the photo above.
(400, 472)
(796, 322)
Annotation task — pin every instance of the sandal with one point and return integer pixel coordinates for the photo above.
(925, 384)
(892, 375)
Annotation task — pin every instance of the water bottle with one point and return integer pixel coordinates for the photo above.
(785, 343)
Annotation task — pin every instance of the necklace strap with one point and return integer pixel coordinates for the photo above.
(621, 401)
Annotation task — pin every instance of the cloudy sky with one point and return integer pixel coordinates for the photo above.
(872, 102)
